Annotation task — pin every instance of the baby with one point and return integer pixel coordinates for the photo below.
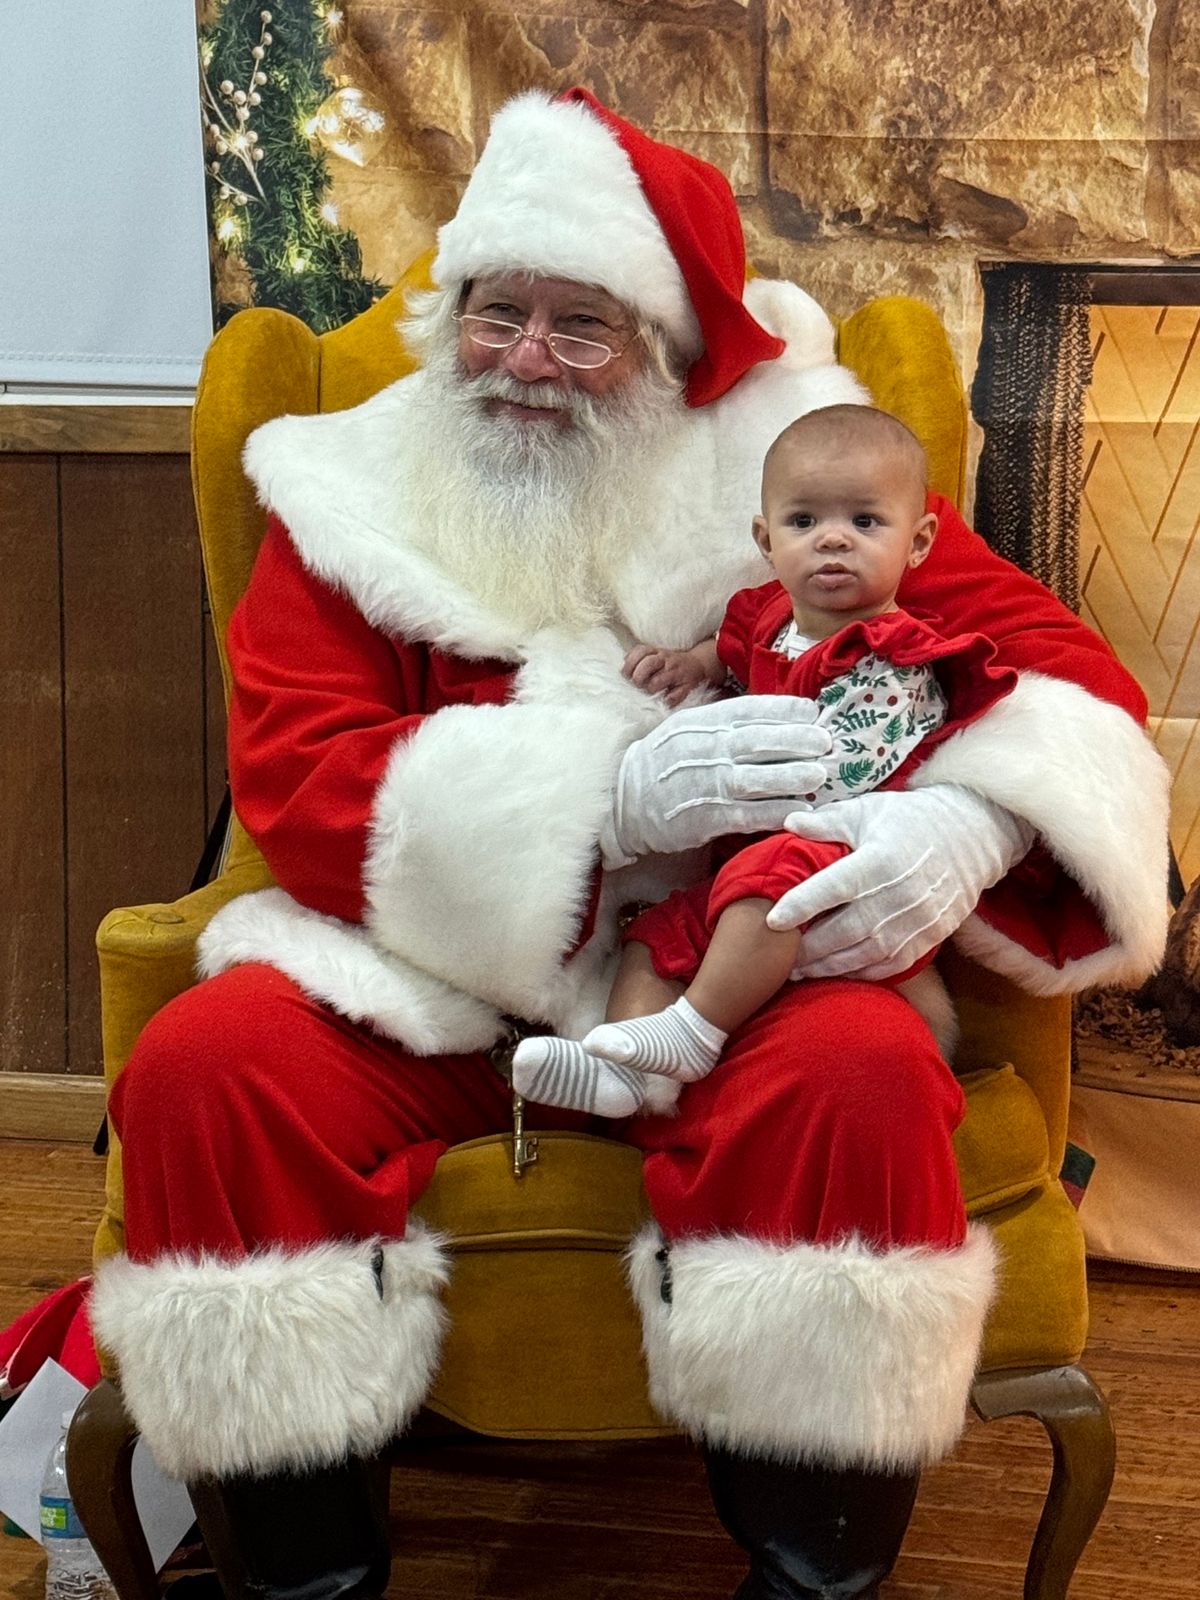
(843, 519)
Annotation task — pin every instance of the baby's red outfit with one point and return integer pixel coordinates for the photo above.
(679, 929)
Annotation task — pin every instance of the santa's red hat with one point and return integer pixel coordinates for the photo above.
(566, 188)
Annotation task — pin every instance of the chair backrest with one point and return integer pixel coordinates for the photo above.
(899, 349)
(265, 363)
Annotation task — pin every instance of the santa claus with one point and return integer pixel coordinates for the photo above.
(456, 789)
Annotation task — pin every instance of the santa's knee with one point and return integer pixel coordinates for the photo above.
(834, 1117)
(889, 1116)
(832, 1054)
(894, 1082)
(201, 1057)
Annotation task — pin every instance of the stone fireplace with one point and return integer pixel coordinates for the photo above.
(1140, 513)
(873, 149)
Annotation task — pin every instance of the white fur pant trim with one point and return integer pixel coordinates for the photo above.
(836, 1354)
(279, 1360)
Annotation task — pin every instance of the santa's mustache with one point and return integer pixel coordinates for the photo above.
(585, 409)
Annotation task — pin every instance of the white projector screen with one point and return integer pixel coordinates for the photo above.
(103, 236)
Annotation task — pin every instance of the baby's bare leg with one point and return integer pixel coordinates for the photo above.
(746, 964)
(637, 989)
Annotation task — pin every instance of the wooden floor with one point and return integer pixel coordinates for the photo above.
(533, 1522)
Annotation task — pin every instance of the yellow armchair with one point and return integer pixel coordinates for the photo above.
(565, 1338)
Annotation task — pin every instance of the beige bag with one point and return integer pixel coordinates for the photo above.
(1143, 1202)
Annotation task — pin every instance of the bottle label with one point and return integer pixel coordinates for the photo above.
(58, 1519)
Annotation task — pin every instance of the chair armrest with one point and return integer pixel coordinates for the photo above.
(148, 956)
(899, 349)
(1002, 1023)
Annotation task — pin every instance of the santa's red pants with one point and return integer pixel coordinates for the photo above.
(806, 1188)
(252, 1115)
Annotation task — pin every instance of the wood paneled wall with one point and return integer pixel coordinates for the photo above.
(111, 727)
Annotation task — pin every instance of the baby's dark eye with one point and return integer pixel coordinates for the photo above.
(864, 520)
(802, 520)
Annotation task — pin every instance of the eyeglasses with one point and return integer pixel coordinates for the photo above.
(584, 354)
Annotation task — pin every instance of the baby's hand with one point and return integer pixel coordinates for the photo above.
(670, 673)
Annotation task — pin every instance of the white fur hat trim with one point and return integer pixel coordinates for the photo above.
(554, 193)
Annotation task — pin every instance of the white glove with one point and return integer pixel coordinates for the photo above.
(736, 766)
(920, 859)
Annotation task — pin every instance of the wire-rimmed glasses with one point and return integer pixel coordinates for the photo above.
(586, 355)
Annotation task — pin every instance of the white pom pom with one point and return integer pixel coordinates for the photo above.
(785, 310)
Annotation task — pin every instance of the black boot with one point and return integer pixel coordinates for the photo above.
(811, 1531)
(299, 1536)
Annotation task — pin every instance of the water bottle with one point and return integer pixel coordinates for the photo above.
(73, 1569)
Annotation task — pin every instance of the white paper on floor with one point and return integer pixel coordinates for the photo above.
(30, 1431)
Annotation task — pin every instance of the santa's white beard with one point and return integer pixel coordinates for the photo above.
(533, 517)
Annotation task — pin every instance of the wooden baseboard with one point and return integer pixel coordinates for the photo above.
(67, 430)
(50, 1106)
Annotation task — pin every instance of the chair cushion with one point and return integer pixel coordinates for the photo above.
(581, 1190)
(1040, 1317)
(550, 1347)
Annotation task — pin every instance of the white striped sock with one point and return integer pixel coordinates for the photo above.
(560, 1072)
(678, 1043)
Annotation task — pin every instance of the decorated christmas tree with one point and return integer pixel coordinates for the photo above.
(268, 101)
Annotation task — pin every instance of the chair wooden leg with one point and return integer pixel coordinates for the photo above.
(1075, 1415)
(99, 1459)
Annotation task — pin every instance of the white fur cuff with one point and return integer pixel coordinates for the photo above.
(1085, 775)
(337, 963)
(830, 1353)
(276, 1361)
(484, 836)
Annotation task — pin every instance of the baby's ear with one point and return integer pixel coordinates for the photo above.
(924, 533)
(762, 536)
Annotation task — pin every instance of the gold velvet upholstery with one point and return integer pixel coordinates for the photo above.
(544, 1338)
